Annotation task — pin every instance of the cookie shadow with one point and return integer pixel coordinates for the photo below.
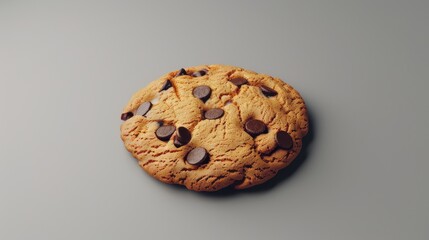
(282, 175)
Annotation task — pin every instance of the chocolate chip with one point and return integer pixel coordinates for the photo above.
(144, 108)
(166, 85)
(284, 140)
(213, 113)
(199, 73)
(183, 137)
(197, 155)
(255, 127)
(177, 143)
(238, 81)
(202, 92)
(164, 132)
(181, 72)
(126, 116)
(267, 91)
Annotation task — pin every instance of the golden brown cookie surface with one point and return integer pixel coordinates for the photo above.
(211, 126)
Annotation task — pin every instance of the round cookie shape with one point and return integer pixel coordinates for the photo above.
(214, 126)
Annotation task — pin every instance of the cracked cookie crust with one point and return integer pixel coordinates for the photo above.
(211, 126)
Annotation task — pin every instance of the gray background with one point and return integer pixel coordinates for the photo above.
(67, 69)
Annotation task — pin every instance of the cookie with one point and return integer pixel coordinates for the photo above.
(213, 126)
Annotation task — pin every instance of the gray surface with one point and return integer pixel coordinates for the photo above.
(67, 69)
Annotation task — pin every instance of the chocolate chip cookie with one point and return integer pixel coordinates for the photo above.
(212, 126)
